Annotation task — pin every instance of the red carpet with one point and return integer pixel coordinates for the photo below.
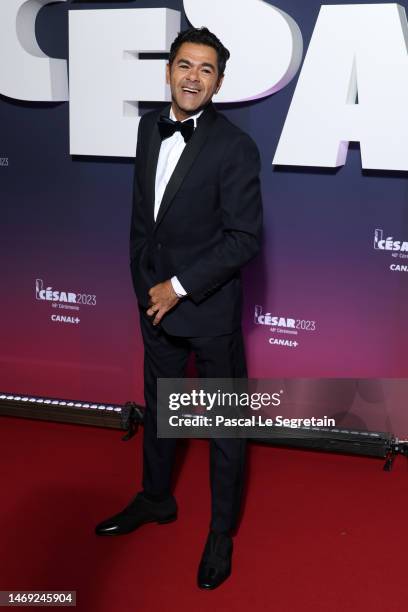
(319, 532)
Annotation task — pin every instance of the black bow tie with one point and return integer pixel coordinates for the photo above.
(167, 127)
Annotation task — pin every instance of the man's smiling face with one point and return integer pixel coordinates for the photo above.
(193, 79)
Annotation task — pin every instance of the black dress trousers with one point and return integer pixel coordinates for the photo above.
(166, 356)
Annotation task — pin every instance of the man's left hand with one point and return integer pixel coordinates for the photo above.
(162, 299)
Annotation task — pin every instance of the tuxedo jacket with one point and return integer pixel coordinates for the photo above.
(208, 225)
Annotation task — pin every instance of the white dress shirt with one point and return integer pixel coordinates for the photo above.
(170, 153)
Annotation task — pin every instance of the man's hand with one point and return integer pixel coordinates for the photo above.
(162, 299)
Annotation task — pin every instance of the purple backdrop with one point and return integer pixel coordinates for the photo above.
(320, 301)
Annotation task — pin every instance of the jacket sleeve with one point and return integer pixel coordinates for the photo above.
(241, 207)
(138, 222)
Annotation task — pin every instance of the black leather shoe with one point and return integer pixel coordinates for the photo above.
(139, 511)
(215, 565)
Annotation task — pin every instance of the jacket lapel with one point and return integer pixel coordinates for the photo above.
(151, 164)
(191, 150)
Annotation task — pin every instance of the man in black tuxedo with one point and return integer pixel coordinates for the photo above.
(196, 220)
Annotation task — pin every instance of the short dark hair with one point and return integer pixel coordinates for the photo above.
(201, 36)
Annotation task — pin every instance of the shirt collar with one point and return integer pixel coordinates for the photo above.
(195, 117)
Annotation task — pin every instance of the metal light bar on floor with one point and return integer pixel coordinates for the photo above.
(342, 440)
(347, 441)
(129, 416)
(61, 410)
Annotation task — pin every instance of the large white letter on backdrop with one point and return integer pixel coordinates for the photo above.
(353, 87)
(106, 85)
(107, 78)
(266, 45)
(26, 73)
